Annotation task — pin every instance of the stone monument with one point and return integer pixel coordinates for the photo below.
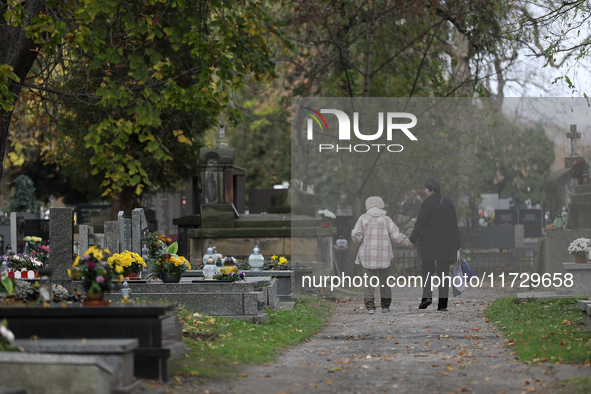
(559, 186)
(61, 240)
(562, 190)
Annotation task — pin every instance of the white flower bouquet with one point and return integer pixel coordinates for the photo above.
(579, 247)
(326, 216)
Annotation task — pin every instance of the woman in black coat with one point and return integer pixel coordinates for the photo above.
(436, 230)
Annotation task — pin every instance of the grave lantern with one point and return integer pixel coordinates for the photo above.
(209, 254)
(229, 267)
(256, 259)
(46, 287)
(125, 292)
(209, 268)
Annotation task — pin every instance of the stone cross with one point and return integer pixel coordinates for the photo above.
(574, 136)
(61, 237)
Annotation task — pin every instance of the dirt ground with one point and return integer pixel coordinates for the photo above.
(405, 351)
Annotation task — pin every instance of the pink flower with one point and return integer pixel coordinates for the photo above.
(34, 253)
(90, 264)
(100, 279)
(44, 248)
(104, 263)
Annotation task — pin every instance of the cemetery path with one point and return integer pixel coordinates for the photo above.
(404, 351)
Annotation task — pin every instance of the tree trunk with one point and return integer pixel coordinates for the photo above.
(19, 52)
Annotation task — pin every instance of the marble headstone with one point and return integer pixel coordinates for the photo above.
(61, 237)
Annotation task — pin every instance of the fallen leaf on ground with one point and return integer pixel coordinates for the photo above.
(243, 375)
(449, 367)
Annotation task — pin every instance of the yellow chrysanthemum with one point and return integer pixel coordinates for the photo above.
(282, 260)
(119, 269)
(76, 262)
(90, 250)
(69, 273)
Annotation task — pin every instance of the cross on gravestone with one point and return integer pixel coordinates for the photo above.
(574, 136)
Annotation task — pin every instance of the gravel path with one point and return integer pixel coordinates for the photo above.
(405, 351)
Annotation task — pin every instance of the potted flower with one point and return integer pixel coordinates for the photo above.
(326, 217)
(132, 263)
(96, 273)
(581, 172)
(279, 263)
(578, 248)
(169, 266)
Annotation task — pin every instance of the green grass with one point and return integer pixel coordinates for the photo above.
(574, 386)
(238, 342)
(547, 330)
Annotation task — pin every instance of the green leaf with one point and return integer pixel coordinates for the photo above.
(173, 248)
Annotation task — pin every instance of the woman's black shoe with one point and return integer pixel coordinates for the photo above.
(426, 303)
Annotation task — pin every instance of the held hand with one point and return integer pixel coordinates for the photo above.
(412, 246)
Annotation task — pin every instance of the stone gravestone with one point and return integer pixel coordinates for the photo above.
(559, 186)
(86, 238)
(61, 238)
(138, 225)
(4, 237)
(17, 228)
(112, 236)
(124, 232)
(532, 222)
(580, 208)
(506, 217)
(37, 228)
(83, 211)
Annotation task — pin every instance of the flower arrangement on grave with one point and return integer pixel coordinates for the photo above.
(233, 276)
(165, 239)
(581, 171)
(170, 262)
(40, 251)
(6, 338)
(156, 246)
(21, 262)
(132, 263)
(278, 263)
(326, 216)
(579, 246)
(96, 273)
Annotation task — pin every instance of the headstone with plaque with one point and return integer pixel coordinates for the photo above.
(506, 217)
(532, 222)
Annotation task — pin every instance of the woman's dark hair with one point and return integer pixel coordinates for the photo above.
(433, 186)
